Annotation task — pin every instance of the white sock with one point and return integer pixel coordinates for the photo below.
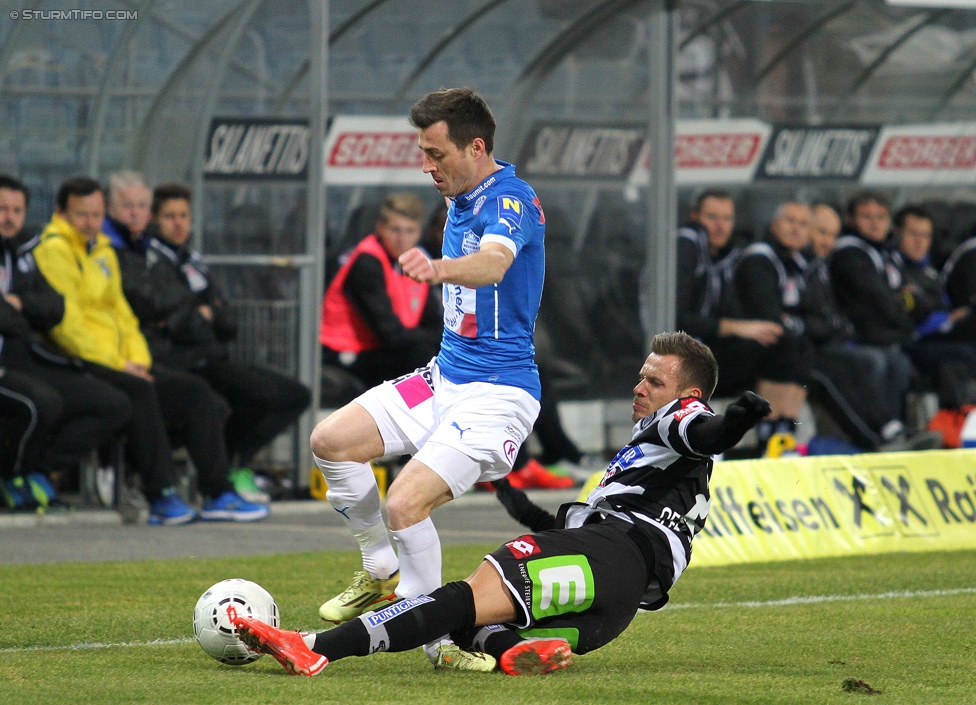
(309, 639)
(432, 648)
(354, 495)
(419, 550)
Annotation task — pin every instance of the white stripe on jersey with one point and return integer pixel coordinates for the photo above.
(678, 556)
(496, 311)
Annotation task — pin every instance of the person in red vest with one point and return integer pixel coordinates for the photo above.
(381, 332)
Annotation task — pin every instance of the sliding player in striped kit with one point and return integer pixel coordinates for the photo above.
(576, 586)
(464, 417)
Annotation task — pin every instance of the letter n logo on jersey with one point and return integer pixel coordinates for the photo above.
(523, 547)
(510, 212)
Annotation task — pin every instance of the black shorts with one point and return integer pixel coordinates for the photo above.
(584, 585)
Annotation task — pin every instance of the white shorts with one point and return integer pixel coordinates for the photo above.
(466, 433)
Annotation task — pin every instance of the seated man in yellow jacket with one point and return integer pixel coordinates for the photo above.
(100, 328)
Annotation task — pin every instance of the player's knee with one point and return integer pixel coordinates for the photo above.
(406, 508)
(322, 442)
(329, 441)
(349, 434)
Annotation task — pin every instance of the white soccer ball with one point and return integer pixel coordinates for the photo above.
(212, 616)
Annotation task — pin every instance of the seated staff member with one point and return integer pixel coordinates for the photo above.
(378, 323)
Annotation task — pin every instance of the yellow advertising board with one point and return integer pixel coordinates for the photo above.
(838, 505)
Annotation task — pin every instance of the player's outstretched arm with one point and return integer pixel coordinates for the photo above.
(716, 434)
(521, 508)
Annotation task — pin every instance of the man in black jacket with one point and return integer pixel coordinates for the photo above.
(769, 284)
(751, 352)
(60, 411)
(867, 281)
(188, 324)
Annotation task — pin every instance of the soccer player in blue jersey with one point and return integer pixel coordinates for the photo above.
(464, 417)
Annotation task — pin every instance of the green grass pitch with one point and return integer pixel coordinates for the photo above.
(794, 632)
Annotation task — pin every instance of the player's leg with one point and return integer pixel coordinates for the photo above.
(401, 626)
(417, 490)
(390, 419)
(342, 445)
(479, 430)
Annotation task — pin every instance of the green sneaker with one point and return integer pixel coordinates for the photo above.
(244, 485)
(451, 657)
(363, 594)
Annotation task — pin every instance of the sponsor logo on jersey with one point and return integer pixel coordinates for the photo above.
(388, 613)
(459, 310)
(627, 456)
(523, 547)
(479, 203)
(511, 450)
(487, 183)
(560, 585)
(689, 406)
(414, 389)
(470, 243)
(514, 433)
(509, 212)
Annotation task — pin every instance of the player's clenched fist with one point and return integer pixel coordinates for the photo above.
(418, 266)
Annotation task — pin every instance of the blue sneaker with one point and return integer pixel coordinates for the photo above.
(230, 506)
(170, 510)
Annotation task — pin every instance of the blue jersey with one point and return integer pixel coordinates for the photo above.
(488, 331)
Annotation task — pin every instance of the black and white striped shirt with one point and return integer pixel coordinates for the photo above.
(659, 483)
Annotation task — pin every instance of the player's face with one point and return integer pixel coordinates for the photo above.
(398, 233)
(717, 216)
(85, 213)
(659, 385)
(130, 205)
(13, 211)
(916, 237)
(792, 227)
(872, 220)
(174, 221)
(824, 231)
(454, 170)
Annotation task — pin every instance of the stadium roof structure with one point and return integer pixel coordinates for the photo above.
(92, 87)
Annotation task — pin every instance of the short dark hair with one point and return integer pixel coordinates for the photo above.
(862, 197)
(77, 186)
(912, 209)
(12, 184)
(720, 194)
(466, 113)
(698, 365)
(169, 192)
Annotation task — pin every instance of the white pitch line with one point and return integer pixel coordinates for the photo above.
(799, 600)
(818, 599)
(84, 646)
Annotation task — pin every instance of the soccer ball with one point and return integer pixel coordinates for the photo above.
(212, 616)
